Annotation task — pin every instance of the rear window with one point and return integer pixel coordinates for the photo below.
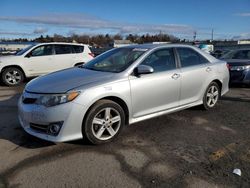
(63, 49)
(77, 49)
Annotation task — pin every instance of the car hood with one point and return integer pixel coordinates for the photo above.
(10, 59)
(65, 80)
(237, 62)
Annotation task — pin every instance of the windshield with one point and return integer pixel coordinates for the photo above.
(228, 55)
(116, 60)
(21, 52)
(238, 54)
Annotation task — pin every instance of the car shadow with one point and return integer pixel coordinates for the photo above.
(237, 99)
(239, 86)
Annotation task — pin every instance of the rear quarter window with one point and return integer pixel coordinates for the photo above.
(78, 49)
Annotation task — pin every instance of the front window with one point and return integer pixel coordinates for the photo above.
(116, 60)
(161, 60)
(42, 51)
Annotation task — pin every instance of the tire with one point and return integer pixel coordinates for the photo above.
(98, 127)
(12, 76)
(211, 96)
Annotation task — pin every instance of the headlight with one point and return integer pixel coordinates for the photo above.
(53, 100)
(240, 68)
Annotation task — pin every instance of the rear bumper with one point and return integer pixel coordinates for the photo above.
(240, 77)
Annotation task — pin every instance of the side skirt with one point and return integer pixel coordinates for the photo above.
(149, 116)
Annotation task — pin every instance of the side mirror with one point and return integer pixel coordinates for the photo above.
(28, 55)
(143, 69)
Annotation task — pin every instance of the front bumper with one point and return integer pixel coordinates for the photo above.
(71, 114)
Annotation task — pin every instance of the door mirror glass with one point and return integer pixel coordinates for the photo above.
(143, 69)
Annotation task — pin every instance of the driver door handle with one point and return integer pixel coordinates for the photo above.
(175, 76)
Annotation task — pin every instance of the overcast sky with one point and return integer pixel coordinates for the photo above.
(26, 18)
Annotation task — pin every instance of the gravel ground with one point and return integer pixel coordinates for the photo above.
(191, 148)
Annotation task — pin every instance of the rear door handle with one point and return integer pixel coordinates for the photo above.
(175, 76)
(208, 69)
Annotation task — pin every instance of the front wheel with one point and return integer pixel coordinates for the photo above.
(211, 96)
(103, 122)
(12, 76)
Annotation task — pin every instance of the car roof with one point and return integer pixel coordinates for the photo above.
(152, 46)
(65, 43)
(156, 46)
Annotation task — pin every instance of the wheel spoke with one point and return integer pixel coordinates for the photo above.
(111, 131)
(212, 89)
(213, 101)
(18, 77)
(98, 121)
(107, 113)
(209, 101)
(8, 74)
(100, 132)
(116, 119)
(209, 95)
(216, 93)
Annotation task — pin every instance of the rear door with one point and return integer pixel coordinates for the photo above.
(64, 57)
(195, 71)
(159, 90)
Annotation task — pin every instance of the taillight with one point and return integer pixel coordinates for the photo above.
(91, 54)
(228, 66)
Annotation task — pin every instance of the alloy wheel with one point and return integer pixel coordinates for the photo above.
(106, 123)
(13, 77)
(212, 96)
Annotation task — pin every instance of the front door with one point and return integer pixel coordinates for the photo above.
(159, 90)
(39, 60)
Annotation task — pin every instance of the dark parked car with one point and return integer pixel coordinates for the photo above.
(219, 53)
(239, 65)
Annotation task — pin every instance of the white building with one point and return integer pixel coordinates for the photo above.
(121, 43)
(14, 46)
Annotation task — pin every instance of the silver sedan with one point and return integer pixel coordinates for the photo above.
(120, 87)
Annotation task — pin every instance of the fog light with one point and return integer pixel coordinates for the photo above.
(54, 128)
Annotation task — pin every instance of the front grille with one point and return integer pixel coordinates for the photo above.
(39, 128)
(29, 100)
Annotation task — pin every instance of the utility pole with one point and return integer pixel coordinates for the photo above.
(212, 35)
(195, 35)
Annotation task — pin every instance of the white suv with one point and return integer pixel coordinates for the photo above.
(42, 59)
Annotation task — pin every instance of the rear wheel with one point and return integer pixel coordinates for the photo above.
(103, 122)
(12, 76)
(211, 96)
